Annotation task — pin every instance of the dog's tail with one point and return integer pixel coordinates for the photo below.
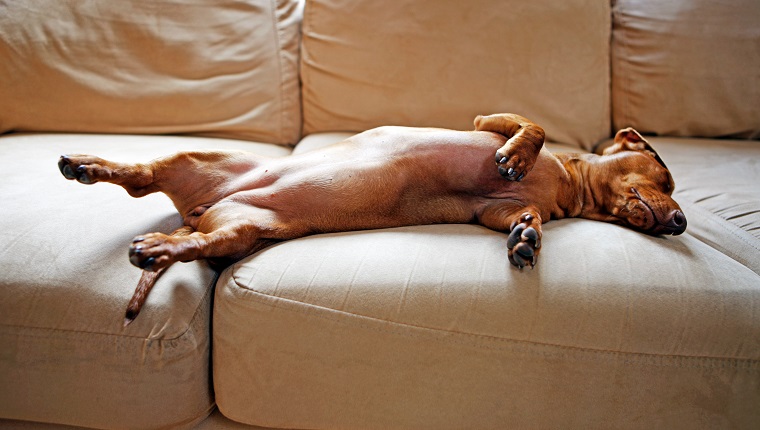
(146, 283)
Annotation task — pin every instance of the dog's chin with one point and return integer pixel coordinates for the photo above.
(665, 230)
(671, 228)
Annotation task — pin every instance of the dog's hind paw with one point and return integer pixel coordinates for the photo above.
(524, 241)
(82, 168)
(152, 251)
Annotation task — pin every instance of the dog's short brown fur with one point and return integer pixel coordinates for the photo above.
(234, 203)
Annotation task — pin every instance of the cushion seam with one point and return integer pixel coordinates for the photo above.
(322, 313)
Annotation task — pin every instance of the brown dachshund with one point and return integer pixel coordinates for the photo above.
(235, 203)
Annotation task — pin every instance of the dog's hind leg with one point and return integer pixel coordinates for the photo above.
(226, 231)
(88, 169)
(190, 179)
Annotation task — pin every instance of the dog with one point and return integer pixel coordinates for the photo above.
(499, 176)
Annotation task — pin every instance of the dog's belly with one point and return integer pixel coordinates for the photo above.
(362, 195)
(386, 177)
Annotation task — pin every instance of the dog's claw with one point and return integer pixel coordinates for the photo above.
(507, 173)
(507, 167)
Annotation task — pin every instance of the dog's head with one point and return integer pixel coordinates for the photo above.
(634, 187)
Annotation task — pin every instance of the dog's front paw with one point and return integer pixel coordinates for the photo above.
(524, 241)
(152, 251)
(85, 169)
(515, 162)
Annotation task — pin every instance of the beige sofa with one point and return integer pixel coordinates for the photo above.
(407, 328)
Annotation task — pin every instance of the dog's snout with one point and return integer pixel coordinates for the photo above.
(676, 222)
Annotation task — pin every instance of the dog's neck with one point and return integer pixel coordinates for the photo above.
(582, 197)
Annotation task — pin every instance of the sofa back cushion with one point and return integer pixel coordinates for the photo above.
(404, 62)
(687, 67)
(215, 67)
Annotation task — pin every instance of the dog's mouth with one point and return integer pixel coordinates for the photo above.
(645, 218)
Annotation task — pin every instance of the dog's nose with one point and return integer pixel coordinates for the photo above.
(676, 223)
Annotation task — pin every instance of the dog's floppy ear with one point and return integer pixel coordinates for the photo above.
(629, 139)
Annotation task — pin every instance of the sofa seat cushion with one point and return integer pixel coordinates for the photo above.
(430, 327)
(64, 356)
